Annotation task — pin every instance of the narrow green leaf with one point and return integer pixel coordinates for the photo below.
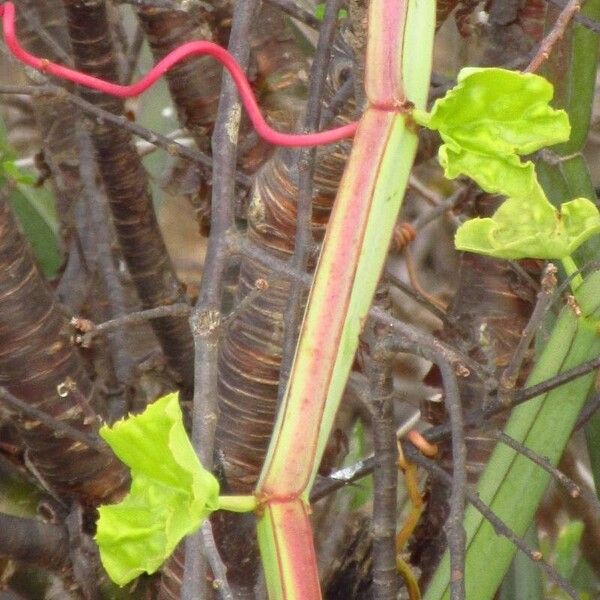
(530, 229)
(171, 493)
(566, 551)
(524, 579)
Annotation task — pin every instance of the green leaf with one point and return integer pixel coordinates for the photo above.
(171, 493)
(319, 12)
(16, 174)
(530, 229)
(566, 551)
(495, 173)
(492, 116)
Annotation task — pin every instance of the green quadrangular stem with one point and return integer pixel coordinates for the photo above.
(399, 53)
(512, 486)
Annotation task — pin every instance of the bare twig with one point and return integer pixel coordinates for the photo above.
(499, 526)
(508, 379)
(217, 567)
(423, 344)
(385, 473)
(364, 467)
(574, 490)
(412, 293)
(588, 411)
(59, 427)
(303, 239)
(455, 530)
(171, 146)
(98, 250)
(443, 207)
(554, 36)
(297, 12)
(135, 318)
(205, 320)
(133, 54)
(581, 19)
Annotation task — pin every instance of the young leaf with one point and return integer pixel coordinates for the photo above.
(495, 173)
(530, 229)
(171, 493)
(494, 115)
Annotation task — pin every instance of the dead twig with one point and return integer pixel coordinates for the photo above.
(554, 36)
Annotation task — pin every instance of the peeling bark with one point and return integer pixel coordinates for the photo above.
(39, 365)
(55, 117)
(126, 185)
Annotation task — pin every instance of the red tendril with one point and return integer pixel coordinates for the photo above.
(199, 48)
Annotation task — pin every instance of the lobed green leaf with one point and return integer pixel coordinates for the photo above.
(530, 229)
(487, 120)
(171, 493)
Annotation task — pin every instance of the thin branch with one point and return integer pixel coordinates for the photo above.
(588, 411)
(97, 243)
(171, 146)
(297, 12)
(133, 54)
(555, 35)
(242, 245)
(417, 297)
(425, 345)
(455, 531)
(499, 526)
(509, 376)
(217, 566)
(91, 330)
(584, 21)
(443, 207)
(365, 467)
(340, 98)
(303, 239)
(205, 320)
(574, 490)
(385, 474)
(61, 428)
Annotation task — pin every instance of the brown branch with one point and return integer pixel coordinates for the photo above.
(385, 473)
(297, 12)
(194, 84)
(555, 35)
(499, 526)
(573, 489)
(206, 318)
(455, 531)
(126, 186)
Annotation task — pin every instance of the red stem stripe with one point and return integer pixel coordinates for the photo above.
(199, 48)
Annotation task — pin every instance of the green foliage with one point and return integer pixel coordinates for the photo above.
(490, 118)
(319, 12)
(361, 492)
(531, 228)
(33, 207)
(171, 493)
(566, 551)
